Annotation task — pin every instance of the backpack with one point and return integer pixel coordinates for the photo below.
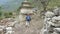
(28, 18)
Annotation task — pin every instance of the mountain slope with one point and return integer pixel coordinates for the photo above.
(10, 5)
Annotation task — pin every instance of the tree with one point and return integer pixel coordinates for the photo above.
(10, 13)
(7, 15)
(0, 14)
(45, 3)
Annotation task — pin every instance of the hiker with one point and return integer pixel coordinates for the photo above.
(28, 19)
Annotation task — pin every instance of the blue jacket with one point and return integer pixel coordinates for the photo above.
(28, 18)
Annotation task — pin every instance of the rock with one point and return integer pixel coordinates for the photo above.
(9, 30)
(57, 29)
(49, 14)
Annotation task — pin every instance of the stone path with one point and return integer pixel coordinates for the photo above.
(34, 28)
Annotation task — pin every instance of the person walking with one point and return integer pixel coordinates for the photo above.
(28, 19)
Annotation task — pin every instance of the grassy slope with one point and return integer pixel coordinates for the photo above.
(51, 4)
(54, 3)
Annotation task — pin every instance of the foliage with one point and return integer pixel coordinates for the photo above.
(51, 4)
(0, 14)
(8, 14)
(1, 18)
(54, 3)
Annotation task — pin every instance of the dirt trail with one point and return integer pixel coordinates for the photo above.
(34, 28)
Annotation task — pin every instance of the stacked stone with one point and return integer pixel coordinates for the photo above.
(51, 22)
(9, 30)
(7, 26)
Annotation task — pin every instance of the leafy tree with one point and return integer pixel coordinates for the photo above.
(48, 4)
(1, 18)
(0, 14)
(6, 15)
(44, 3)
(10, 13)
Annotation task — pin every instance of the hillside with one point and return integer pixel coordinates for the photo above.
(51, 4)
(12, 5)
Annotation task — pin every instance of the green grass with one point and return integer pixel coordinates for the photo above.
(51, 4)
